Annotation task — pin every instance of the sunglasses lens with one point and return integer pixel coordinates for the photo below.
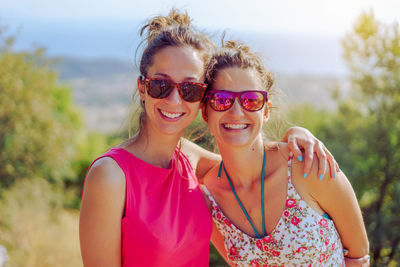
(252, 101)
(221, 101)
(159, 88)
(192, 92)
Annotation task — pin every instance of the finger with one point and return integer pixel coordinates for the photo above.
(331, 161)
(322, 162)
(308, 159)
(294, 148)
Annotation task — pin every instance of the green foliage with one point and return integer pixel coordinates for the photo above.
(372, 52)
(41, 133)
(38, 119)
(364, 132)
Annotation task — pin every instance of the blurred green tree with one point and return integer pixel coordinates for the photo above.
(39, 124)
(364, 132)
(372, 53)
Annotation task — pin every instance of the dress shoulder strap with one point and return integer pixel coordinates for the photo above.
(208, 194)
(291, 190)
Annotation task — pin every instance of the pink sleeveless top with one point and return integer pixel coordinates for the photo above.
(166, 220)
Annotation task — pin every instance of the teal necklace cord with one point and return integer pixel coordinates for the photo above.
(240, 203)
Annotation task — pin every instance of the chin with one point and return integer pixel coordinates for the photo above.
(171, 130)
(235, 142)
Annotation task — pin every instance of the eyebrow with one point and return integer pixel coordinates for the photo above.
(169, 78)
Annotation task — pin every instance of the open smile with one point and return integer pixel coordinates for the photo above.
(235, 126)
(171, 115)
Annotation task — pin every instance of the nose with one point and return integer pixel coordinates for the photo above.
(174, 97)
(236, 108)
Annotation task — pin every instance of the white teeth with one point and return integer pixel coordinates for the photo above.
(171, 115)
(235, 126)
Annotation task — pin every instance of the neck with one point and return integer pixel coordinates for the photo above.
(243, 164)
(154, 147)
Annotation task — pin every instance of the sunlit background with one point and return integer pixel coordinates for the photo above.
(327, 84)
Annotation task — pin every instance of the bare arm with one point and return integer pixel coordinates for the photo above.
(201, 159)
(101, 212)
(337, 198)
(218, 241)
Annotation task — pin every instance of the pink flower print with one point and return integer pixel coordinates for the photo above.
(267, 239)
(233, 251)
(286, 213)
(218, 216)
(232, 258)
(323, 223)
(275, 253)
(321, 258)
(326, 241)
(227, 222)
(295, 220)
(333, 246)
(301, 249)
(259, 244)
(291, 203)
(254, 263)
(321, 232)
(266, 248)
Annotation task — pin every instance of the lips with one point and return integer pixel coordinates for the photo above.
(235, 126)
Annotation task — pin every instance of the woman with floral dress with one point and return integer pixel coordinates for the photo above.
(266, 210)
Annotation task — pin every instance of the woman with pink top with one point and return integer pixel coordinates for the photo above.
(141, 203)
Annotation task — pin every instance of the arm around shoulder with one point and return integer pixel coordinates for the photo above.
(201, 159)
(101, 213)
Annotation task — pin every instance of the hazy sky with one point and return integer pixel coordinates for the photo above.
(295, 36)
(279, 16)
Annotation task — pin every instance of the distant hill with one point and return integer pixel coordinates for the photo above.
(113, 38)
(103, 88)
(73, 68)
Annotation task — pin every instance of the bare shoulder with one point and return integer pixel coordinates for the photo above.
(210, 178)
(105, 174)
(201, 159)
(310, 181)
(278, 152)
(209, 182)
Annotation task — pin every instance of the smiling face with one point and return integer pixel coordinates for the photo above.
(172, 114)
(236, 126)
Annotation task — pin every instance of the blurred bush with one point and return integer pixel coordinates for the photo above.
(35, 228)
(37, 117)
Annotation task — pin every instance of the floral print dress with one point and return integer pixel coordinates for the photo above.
(302, 237)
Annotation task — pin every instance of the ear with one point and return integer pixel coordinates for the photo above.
(203, 107)
(267, 112)
(141, 87)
